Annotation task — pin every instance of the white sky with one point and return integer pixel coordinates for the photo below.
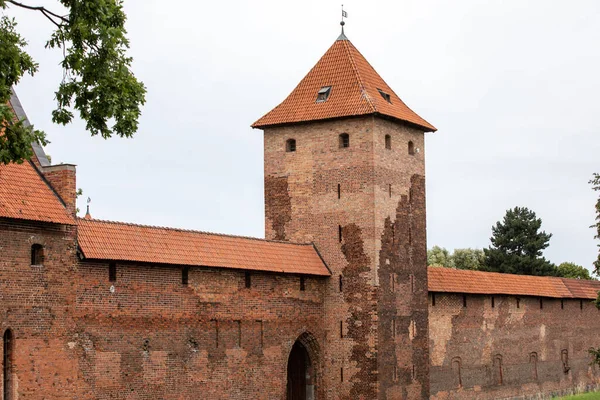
(511, 85)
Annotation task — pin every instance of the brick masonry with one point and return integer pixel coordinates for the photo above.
(378, 188)
(517, 348)
(368, 330)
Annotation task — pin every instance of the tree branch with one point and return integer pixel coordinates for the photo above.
(43, 10)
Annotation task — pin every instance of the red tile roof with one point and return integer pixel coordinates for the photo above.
(24, 194)
(354, 91)
(450, 280)
(105, 240)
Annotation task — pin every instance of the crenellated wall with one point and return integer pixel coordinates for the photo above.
(510, 346)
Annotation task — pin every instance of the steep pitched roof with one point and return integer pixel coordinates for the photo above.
(450, 280)
(355, 89)
(105, 240)
(24, 194)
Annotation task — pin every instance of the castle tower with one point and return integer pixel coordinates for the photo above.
(344, 168)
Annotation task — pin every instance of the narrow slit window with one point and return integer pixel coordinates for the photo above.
(342, 374)
(290, 145)
(386, 96)
(411, 148)
(340, 233)
(518, 302)
(581, 304)
(185, 276)
(388, 142)
(341, 329)
(390, 190)
(562, 304)
(339, 191)
(493, 303)
(7, 365)
(323, 94)
(433, 299)
(37, 254)
(541, 303)
(112, 272)
(344, 140)
(247, 280)
(464, 300)
(341, 283)
(302, 284)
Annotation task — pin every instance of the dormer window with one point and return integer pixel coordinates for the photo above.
(323, 94)
(385, 96)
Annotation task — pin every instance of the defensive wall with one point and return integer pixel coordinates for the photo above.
(490, 346)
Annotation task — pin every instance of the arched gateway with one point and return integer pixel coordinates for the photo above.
(301, 369)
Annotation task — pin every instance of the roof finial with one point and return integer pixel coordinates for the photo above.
(344, 15)
(87, 213)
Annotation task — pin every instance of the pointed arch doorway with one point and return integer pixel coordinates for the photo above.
(300, 373)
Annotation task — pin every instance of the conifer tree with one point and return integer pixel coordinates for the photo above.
(517, 245)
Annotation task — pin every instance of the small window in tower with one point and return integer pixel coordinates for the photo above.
(411, 148)
(340, 233)
(290, 145)
(339, 191)
(302, 284)
(344, 140)
(323, 94)
(388, 142)
(37, 254)
(185, 275)
(112, 272)
(385, 96)
(247, 280)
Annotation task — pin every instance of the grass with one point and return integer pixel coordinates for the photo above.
(584, 396)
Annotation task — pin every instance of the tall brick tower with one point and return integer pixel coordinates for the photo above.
(344, 168)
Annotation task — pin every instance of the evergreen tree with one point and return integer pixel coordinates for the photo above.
(517, 245)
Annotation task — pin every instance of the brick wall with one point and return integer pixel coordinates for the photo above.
(149, 334)
(518, 347)
(363, 189)
(36, 305)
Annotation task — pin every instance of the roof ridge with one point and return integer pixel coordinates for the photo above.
(347, 44)
(79, 219)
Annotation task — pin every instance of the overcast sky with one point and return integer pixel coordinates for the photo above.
(512, 87)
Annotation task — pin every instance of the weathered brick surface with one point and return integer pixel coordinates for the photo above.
(485, 352)
(374, 192)
(36, 304)
(172, 341)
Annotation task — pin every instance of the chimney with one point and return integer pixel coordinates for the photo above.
(62, 178)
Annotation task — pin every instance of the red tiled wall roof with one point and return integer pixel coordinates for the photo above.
(354, 91)
(450, 280)
(25, 195)
(104, 240)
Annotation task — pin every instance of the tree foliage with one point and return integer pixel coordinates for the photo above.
(460, 258)
(97, 81)
(573, 271)
(517, 245)
(439, 257)
(468, 259)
